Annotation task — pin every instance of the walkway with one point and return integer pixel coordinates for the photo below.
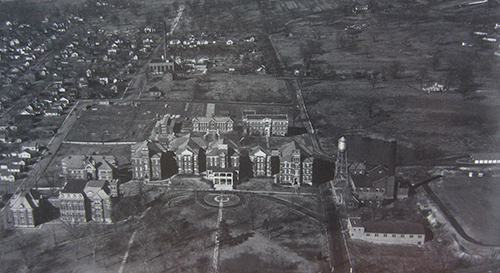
(130, 242)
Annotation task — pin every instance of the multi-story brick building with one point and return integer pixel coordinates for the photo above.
(213, 124)
(265, 125)
(149, 161)
(296, 165)
(374, 185)
(99, 194)
(27, 210)
(74, 204)
(222, 163)
(189, 154)
(89, 167)
(261, 161)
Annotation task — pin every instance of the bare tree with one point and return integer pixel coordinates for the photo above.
(254, 208)
(52, 179)
(28, 244)
(77, 232)
(422, 75)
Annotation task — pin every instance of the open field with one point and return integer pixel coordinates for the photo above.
(407, 49)
(225, 87)
(443, 122)
(431, 257)
(282, 239)
(109, 123)
(473, 202)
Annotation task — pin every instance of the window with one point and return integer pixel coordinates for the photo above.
(402, 235)
(411, 236)
(376, 234)
(385, 235)
(393, 235)
(419, 236)
(367, 234)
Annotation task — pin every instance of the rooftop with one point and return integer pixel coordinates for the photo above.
(74, 186)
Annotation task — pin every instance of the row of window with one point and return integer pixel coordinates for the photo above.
(486, 161)
(393, 235)
(375, 190)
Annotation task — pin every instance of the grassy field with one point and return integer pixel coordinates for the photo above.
(473, 202)
(109, 123)
(225, 87)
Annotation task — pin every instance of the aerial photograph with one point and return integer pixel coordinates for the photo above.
(235, 136)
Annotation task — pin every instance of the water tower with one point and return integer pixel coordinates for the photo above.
(341, 168)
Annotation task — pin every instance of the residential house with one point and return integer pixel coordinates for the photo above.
(25, 154)
(52, 112)
(386, 232)
(99, 194)
(265, 125)
(7, 176)
(90, 167)
(31, 146)
(74, 204)
(27, 208)
(213, 124)
(296, 165)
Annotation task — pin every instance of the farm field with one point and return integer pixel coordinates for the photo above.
(473, 202)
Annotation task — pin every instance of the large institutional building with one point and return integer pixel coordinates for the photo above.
(265, 125)
(89, 167)
(296, 165)
(81, 201)
(213, 124)
(149, 160)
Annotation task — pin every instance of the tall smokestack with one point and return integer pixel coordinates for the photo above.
(165, 41)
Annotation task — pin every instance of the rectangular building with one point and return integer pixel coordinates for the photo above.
(265, 125)
(386, 232)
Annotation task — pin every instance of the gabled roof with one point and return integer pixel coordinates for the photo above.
(215, 119)
(79, 161)
(98, 188)
(74, 186)
(26, 200)
(254, 150)
(378, 173)
(271, 116)
(393, 227)
(286, 151)
(485, 156)
(222, 147)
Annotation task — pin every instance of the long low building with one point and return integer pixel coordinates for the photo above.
(485, 158)
(386, 232)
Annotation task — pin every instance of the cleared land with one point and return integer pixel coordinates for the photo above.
(474, 203)
(129, 123)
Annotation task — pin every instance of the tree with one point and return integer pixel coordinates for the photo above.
(395, 69)
(422, 75)
(28, 244)
(77, 232)
(461, 74)
(115, 19)
(254, 208)
(52, 180)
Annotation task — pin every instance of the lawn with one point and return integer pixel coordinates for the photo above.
(473, 202)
